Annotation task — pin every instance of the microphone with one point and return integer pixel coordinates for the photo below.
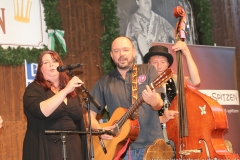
(108, 132)
(68, 67)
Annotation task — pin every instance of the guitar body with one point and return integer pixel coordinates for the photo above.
(130, 129)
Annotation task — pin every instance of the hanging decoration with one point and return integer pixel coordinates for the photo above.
(51, 39)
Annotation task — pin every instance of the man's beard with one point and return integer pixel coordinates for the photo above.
(129, 64)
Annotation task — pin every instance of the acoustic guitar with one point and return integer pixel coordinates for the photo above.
(125, 127)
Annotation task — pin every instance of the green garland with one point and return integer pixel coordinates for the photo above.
(111, 24)
(15, 56)
(203, 21)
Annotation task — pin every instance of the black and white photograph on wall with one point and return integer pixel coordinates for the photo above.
(148, 21)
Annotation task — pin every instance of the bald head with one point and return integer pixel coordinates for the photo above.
(123, 53)
(121, 38)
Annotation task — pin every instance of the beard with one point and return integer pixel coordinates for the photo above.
(124, 66)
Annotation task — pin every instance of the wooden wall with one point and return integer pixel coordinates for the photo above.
(226, 30)
(81, 20)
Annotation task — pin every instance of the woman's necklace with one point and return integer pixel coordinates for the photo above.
(55, 89)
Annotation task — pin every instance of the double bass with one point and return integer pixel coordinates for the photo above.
(197, 130)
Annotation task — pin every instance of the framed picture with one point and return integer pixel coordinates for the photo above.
(148, 21)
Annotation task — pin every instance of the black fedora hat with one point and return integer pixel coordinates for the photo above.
(158, 50)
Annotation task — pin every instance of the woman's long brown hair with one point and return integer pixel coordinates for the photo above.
(63, 77)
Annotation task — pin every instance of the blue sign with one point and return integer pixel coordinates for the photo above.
(30, 71)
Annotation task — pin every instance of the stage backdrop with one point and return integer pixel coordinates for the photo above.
(216, 66)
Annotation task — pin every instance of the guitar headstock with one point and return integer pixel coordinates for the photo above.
(163, 77)
(180, 33)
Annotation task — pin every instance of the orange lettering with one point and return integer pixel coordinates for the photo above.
(2, 21)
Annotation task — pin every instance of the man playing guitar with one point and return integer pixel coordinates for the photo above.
(114, 90)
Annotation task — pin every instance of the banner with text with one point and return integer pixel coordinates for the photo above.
(22, 24)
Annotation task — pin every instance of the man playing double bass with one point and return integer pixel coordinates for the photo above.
(161, 59)
(183, 130)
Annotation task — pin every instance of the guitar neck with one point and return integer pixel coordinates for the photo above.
(130, 111)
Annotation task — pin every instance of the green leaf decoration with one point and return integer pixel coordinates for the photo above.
(111, 24)
(204, 21)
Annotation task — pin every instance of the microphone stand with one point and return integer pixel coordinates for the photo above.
(90, 129)
(98, 106)
(63, 135)
(84, 90)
